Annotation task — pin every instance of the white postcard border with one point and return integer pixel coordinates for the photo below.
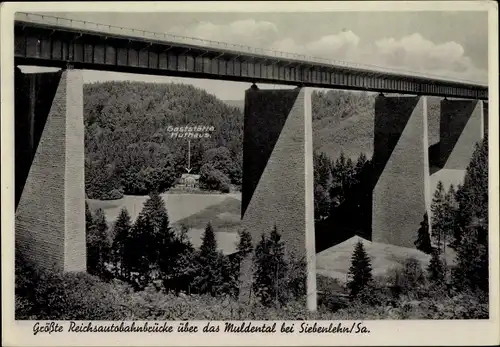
(418, 332)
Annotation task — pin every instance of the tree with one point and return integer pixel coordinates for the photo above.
(138, 257)
(322, 202)
(270, 270)
(150, 237)
(471, 270)
(475, 186)
(262, 275)
(462, 218)
(438, 212)
(179, 268)
(213, 179)
(409, 277)
(413, 273)
(360, 271)
(423, 242)
(98, 245)
(121, 232)
(449, 218)
(230, 276)
(472, 264)
(322, 169)
(322, 184)
(360, 165)
(280, 266)
(89, 220)
(344, 178)
(159, 235)
(435, 269)
(220, 159)
(209, 271)
(245, 245)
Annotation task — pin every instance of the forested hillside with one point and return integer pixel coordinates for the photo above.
(343, 122)
(129, 149)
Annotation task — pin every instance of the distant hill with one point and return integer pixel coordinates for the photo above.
(343, 121)
(353, 133)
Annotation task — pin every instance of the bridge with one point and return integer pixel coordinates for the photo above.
(277, 144)
(56, 42)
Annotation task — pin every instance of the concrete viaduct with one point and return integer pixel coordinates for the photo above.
(277, 168)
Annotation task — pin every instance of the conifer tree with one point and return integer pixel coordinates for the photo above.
(470, 272)
(209, 271)
(89, 219)
(138, 257)
(449, 218)
(349, 176)
(461, 218)
(423, 242)
(230, 276)
(98, 245)
(245, 245)
(280, 266)
(360, 172)
(360, 163)
(472, 264)
(475, 184)
(339, 169)
(244, 248)
(155, 235)
(435, 269)
(322, 202)
(360, 270)
(243, 257)
(169, 247)
(182, 267)
(322, 170)
(122, 230)
(438, 212)
(154, 208)
(271, 270)
(263, 273)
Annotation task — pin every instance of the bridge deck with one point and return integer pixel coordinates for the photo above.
(52, 41)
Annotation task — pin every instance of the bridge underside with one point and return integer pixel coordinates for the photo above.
(277, 175)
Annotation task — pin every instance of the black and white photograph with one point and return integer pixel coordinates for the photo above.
(252, 166)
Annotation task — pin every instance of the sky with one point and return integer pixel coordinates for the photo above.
(448, 44)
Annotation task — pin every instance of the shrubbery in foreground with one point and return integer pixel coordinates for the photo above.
(80, 296)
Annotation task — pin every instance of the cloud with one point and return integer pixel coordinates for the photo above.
(412, 53)
(415, 53)
(244, 32)
(336, 45)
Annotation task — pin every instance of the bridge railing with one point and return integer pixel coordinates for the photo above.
(235, 48)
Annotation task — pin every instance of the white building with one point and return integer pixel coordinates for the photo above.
(190, 180)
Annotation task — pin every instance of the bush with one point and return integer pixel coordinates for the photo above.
(407, 278)
(44, 295)
(213, 179)
(77, 296)
(373, 295)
